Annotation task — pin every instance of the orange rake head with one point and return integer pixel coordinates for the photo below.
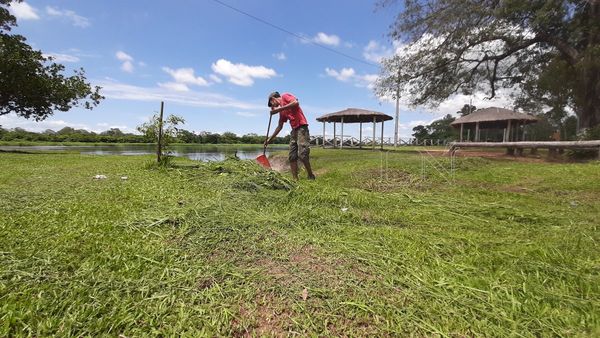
(263, 161)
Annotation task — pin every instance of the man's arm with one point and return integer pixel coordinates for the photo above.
(277, 130)
(282, 108)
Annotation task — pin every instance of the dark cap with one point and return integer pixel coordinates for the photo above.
(272, 95)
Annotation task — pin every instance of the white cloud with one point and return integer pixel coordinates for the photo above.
(116, 90)
(343, 75)
(241, 74)
(122, 56)
(349, 75)
(60, 58)
(246, 114)
(280, 56)
(127, 65)
(185, 76)
(374, 52)
(23, 11)
(457, 101)
(178, 87)
(215, 78)
(76, 19)
(330, 40)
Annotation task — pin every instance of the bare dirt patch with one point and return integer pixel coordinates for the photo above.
(386, 180)
(301, 261)
(279, 163)
(269, 317)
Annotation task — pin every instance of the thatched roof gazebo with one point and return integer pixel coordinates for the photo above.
(354, 115)
(494, 118)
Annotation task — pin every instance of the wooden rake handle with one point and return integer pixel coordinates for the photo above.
(268, 129)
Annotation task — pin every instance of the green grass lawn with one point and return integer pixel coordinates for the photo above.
(381, 244)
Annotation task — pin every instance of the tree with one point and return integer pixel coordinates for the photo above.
(31, 85)
(438, 129)
(208, 137)
(186, 136)
(546, 51)
(420, 132)
(466, 110)
(229, 137)
(66, 131)
(150, 129)
(441, 129)
(113, 132)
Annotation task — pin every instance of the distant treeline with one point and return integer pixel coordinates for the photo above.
(114, 135)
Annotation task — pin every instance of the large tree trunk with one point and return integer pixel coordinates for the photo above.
(589, 101)
(588, 90)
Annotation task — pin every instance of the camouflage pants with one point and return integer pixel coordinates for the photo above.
(299, 144)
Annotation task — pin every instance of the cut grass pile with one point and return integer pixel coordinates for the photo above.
(378, 245)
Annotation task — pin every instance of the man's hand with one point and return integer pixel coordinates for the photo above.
(266, 143)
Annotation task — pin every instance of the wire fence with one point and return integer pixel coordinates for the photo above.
(351, 141)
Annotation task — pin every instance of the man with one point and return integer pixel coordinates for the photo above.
(289, 110)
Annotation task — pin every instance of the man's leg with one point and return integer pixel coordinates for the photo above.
(294, 167)
(306, 163)
(304, 150)
(293, 156)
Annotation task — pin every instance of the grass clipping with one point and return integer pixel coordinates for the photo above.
(248, 175)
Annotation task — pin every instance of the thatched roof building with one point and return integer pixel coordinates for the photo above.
(353, 115)
(493, 118)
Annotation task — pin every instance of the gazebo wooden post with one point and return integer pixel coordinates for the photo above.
(469, 134)
(342, 136)
(360, 137)
(374, 125)
(476, 131)
(382, 121)
(508, 131)
(334, 136)
(461, 131)
(323, 134)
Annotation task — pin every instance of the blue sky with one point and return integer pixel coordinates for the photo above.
(215, 66)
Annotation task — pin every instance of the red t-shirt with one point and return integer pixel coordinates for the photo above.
(294, 114)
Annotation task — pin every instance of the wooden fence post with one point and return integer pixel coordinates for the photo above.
(160, 127)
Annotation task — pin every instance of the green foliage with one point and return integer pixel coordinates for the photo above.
(420, 132)
(114, 135)
(555, 122)
(548, 52)
(185, 136)
(437, 130)
(167, 129)
(466, 110)
(31, 85)
(68, 134)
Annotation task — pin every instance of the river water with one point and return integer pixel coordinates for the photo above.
(198, 152)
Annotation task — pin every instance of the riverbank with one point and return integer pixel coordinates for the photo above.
(381, 244)
(91, 144)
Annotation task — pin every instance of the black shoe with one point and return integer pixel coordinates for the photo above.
(312, 177)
